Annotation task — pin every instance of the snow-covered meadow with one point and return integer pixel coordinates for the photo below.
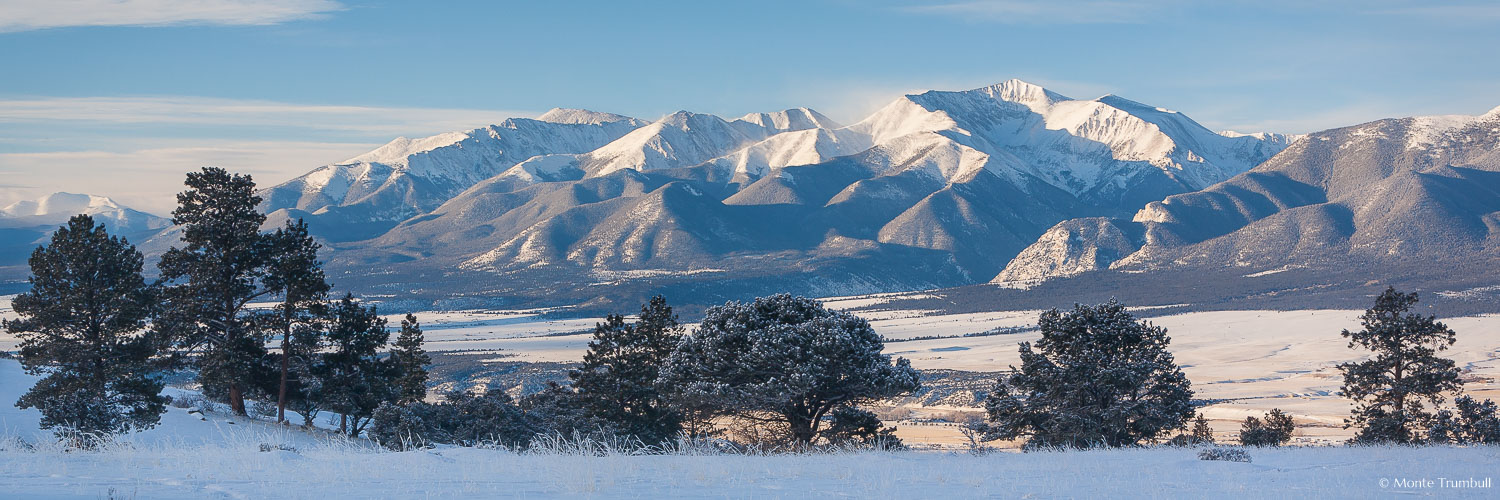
(219, 456)
(336, 471)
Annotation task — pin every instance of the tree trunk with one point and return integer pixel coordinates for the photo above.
(802, 430)
(237, 399)
(285, 361)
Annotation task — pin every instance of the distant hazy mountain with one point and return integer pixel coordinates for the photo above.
(1423, 189)
(935, 189)
(26, 224)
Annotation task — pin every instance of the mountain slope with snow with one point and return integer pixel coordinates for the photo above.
(1402, 189)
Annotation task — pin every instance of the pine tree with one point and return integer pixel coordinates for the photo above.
(1275, 430)
(1475, 422)
(83, 326)
(1101, 378)
(784, 361)
(411, 362)
(294, 272)
(617, 381)
(355, 379)
(1389, 389)
(1202, 433)
(215, 276)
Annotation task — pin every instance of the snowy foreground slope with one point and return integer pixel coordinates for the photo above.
(190, 458)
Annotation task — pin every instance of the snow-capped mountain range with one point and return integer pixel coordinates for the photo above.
(56, 208)
(28, 223)
(1008, 183)
(934, 189)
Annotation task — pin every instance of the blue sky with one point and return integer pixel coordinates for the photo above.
(119, 98)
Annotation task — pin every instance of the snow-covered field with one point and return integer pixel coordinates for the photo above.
(217, 456)
(241, 471)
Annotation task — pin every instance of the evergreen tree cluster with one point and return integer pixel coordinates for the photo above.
(1275, 430)
(101, 335)
(790, 370)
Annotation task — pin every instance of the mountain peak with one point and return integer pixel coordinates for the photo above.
(791, 119)
(1023, 92)
(581, 117)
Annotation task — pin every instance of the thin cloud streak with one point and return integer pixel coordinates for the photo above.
(27, 15)
(147, 178)
(384, 121)
(1044, 11)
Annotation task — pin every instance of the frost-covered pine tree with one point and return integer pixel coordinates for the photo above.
(1275, 430)
(83, 328)
(355, 379)
(410, 361)
(617, 382)
(1098, 377)
(1475, 422)
(1389, 389)
(783, 360)
(294, 272)
(213, 278)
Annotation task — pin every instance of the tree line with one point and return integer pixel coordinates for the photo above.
(779, 371)
(101, 336)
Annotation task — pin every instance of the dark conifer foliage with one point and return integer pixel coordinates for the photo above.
(355, 379)
(411, 362)
(1389, 390)
(213, 277)
(1475, 422)
(1275, 430)
(1202, 433)
(83, 327)
(618, 380)
(294, 272)
(1098, 377)
(784, 361)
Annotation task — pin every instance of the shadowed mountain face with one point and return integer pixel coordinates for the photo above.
(1410, 189)
(936, 189)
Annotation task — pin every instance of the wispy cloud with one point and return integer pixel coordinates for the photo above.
(25, 15)
(1045, 11)
(1463, 13)
(212, 111)
(147, 178)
